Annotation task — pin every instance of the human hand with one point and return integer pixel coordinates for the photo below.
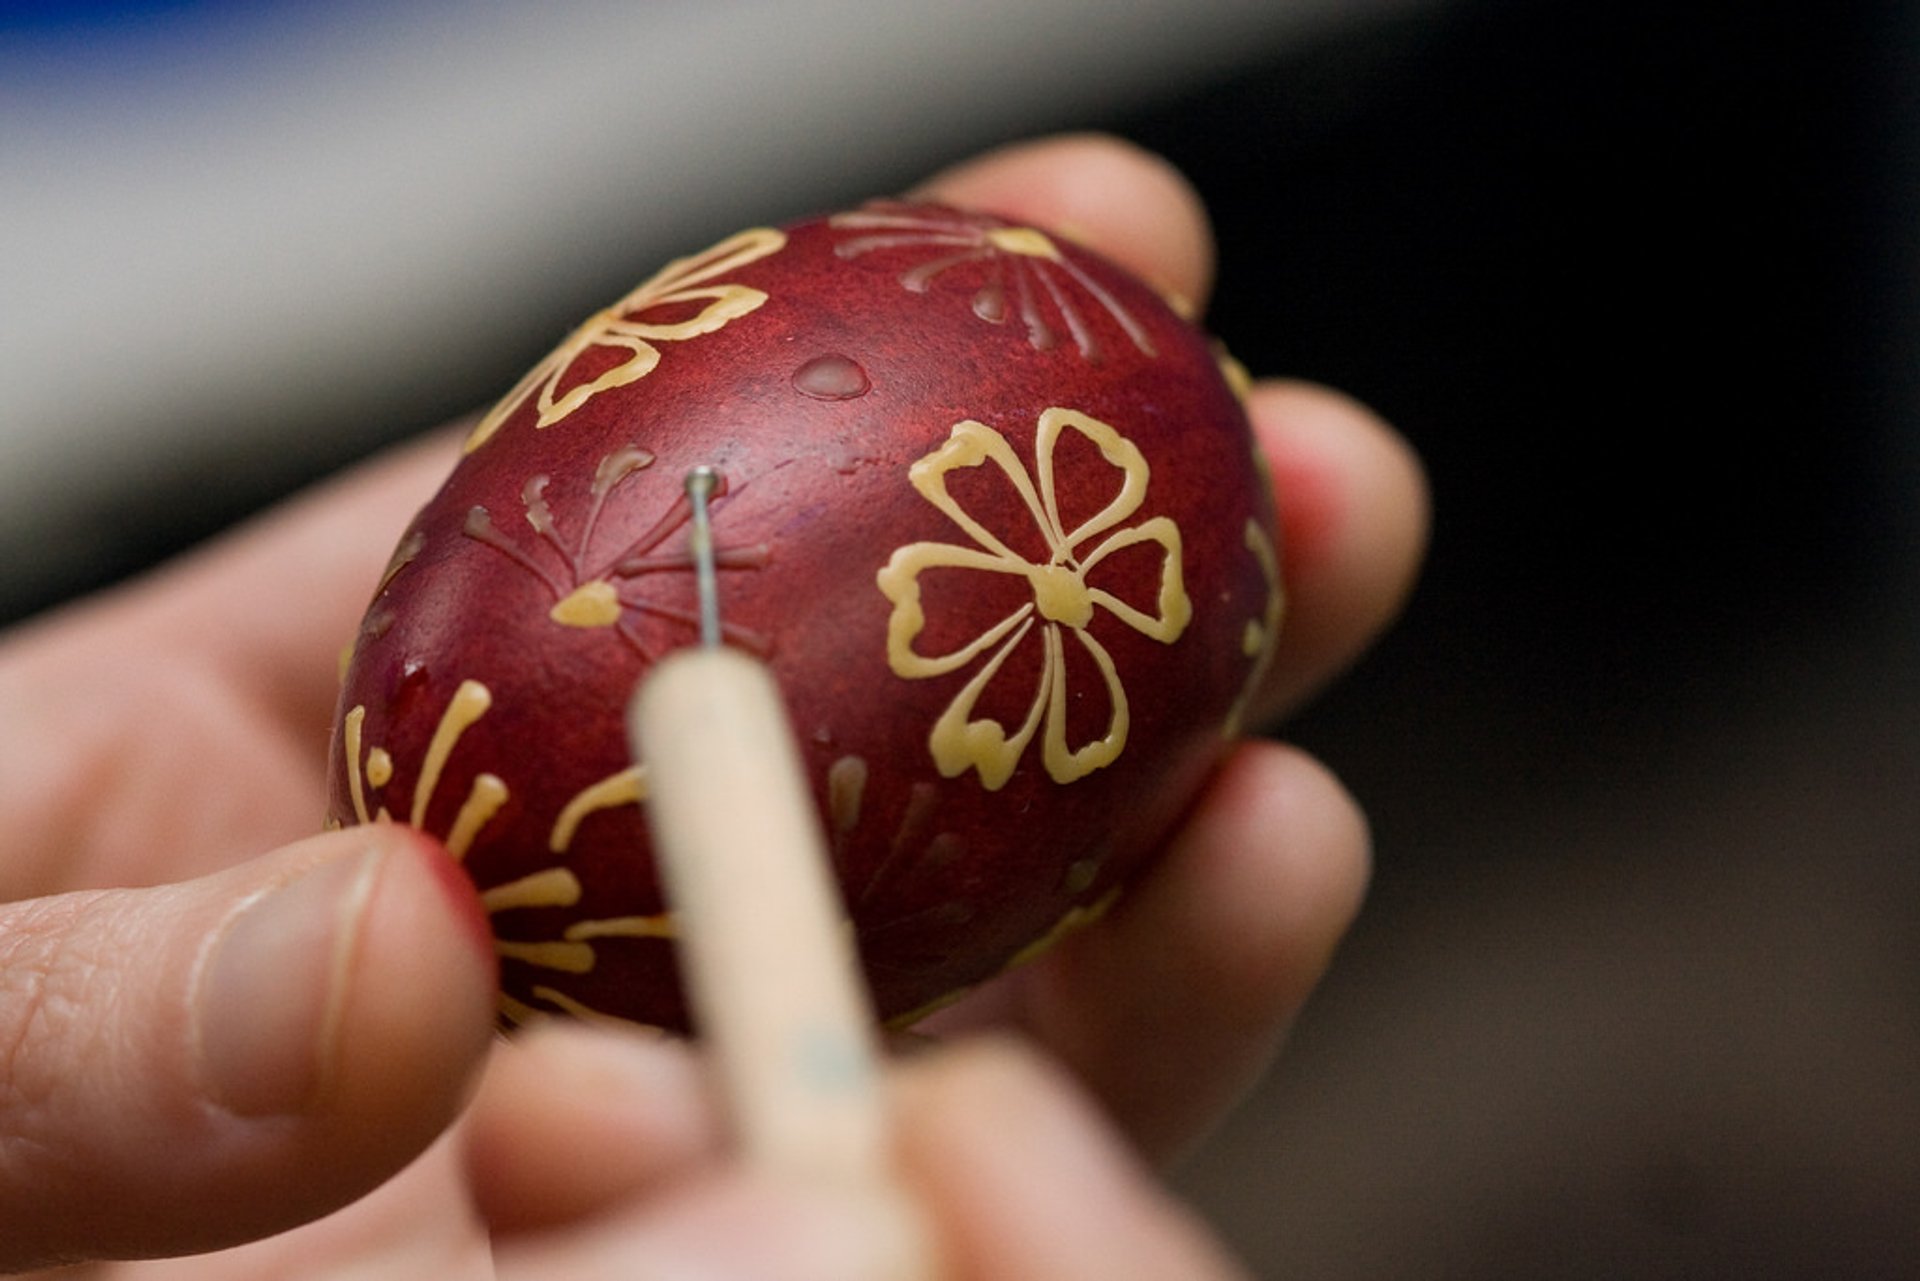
(593, 1155)
(178, 727)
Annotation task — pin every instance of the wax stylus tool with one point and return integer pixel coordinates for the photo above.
(765, 956)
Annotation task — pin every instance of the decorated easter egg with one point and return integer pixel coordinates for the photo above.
(988, 508)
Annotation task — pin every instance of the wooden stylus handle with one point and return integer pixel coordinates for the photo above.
(767, 958)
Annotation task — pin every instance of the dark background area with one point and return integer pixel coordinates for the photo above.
(1637, 993)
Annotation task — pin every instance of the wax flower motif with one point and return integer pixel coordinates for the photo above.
(1022, 260)
(574, 951)
(623, 327)
(606, 591)
(1063, 603)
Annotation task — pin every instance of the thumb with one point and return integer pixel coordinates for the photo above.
(195, 1065)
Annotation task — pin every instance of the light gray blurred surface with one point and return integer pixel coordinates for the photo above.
(245, 242)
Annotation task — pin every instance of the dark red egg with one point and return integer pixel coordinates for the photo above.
(990, 512)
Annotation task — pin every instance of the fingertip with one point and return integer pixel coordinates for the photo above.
(1256, 893)
(1024, 1177)
(418, 1018)
(1121, 200)
(1290, 901)
(1355, 512)
(737, 1222)
(992, 1073)
(1308, 428)
(1175, 1004)
(939, 1098)
(639, 1099)
(392, 1005)
(194, 1065)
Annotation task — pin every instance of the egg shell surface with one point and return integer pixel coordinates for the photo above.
(990, 511)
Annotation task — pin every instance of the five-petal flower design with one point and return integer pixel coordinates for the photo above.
(1062, 599)
(623, 328)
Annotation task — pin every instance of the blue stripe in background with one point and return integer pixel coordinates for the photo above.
(58, 55)
(69, 17)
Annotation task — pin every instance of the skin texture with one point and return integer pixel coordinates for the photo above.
(161, 764)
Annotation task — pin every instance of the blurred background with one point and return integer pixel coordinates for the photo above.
(1637, 994)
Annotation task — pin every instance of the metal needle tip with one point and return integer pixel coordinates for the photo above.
(702, 483)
